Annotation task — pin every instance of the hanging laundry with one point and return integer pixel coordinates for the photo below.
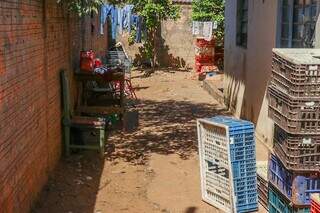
(203, 29)
(104, 13)
(114, 16)
(127, 12)
(195, 27)
(120, 20)
(207, 30)
(137, 22)
(107, 10)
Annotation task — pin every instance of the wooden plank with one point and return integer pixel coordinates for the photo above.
(85, 147)
(87, 76)
(100, 110)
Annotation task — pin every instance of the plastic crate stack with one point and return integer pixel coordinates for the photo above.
(315, 203)
(228, 164)
(294, 106)
(262, 183)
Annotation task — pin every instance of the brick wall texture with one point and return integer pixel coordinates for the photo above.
(37, 39)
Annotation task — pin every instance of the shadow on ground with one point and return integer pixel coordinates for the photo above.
(166, 127)
(73, 186)
(147, 72)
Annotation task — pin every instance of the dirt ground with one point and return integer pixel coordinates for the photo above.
(154, 169)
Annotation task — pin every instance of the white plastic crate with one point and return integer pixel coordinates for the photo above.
(228, 175)
(216, 184)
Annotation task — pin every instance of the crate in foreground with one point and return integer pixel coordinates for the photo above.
(280, 204)
(296, 187)
(297, 152)
(315, 203)
(228, 164)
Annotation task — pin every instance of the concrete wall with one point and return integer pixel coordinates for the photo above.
(175, 43)
(247, 70)
(317, 33)
(37, 39)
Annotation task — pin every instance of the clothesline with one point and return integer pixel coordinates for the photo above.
(121, 19)
(204, 29)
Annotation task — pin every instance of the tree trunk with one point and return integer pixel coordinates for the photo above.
(154, 49)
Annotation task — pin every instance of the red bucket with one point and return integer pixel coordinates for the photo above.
(87, 62)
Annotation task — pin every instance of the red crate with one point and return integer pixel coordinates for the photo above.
(315, 203)
(204, 53)
(87, 60)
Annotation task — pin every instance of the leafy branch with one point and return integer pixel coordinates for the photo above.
(210, 10)
(82, 7)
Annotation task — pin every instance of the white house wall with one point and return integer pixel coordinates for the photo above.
(247, 70)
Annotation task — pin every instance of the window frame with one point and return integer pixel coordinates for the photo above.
(242, 37)
(291, 23)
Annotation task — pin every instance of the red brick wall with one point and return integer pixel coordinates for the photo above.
(37, 39)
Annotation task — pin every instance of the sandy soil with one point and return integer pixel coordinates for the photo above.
(154, 169)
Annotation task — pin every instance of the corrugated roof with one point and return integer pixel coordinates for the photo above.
(182, 1)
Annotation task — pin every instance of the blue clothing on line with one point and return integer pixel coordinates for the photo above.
(123, 18)
(120, 20)
(114, 16)
(137, 21)
(127, 12)
(104, 13)
(106, 10)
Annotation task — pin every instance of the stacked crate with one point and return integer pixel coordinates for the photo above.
(228, 164)
(262, 182)
(294, 106)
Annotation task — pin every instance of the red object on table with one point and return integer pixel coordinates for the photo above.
(97, 63)
(87, 60)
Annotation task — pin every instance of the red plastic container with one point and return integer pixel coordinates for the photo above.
(204, 53)
(315, 203)
(97, 63)
(201, 42)
(87, 62)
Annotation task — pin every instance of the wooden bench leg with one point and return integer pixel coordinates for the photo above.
(67, 140)
(102, 141)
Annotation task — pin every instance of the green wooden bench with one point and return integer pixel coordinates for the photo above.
(81, 123)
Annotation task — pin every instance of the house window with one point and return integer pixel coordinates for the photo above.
(298, 21)
(242, 22)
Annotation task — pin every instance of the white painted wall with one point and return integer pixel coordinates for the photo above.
(247, 70)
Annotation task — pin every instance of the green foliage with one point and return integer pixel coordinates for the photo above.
(82, 7)
(210, 10)
(153, 12)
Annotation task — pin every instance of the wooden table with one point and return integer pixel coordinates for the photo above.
(83, 77)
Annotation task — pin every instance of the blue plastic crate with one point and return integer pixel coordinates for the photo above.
(243, 161)
(278, 203)
(297, 188)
